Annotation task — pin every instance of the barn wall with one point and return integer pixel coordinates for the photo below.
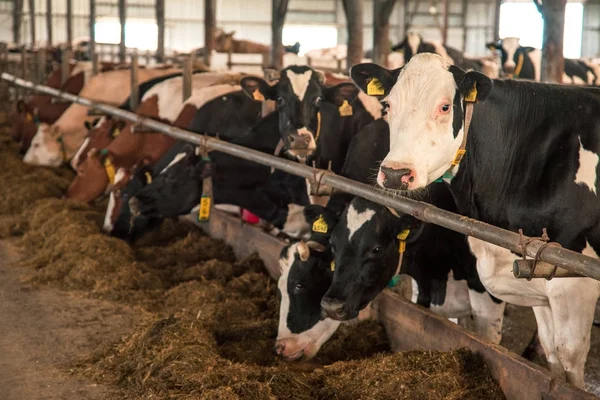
(469, 30)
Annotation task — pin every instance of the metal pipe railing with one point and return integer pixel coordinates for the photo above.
(558, 256)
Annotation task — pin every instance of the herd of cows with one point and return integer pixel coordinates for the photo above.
(513, 153)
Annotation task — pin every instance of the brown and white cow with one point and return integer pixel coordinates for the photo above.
(57, 143)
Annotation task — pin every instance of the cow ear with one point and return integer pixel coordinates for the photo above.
(257, 88)
(313, 212)
(475, 86)
(373, 79)
(527, 49)
(493, 46)
(343, 91)
(303, 251)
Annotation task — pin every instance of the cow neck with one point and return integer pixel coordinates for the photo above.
(460, 153)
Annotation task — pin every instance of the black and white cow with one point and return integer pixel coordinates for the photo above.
(316, 122)
(414, 44)
(366, 247)
(525, 63)
(276, 197)
(531, 162)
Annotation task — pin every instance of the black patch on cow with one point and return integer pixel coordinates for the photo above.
(307, 283)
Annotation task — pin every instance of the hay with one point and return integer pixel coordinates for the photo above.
(211, 321)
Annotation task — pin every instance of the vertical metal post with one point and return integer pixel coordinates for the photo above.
(122, 22)
(69, 23)
(65, 58)
(147, 56)
(32, 22)
(445, 25)
(497, 20)
(135, 89)
(160, 24)
(41, 65)
(187, 78)
(92, 45)
(210, 23)
(49, 21)
(95, 64)
(23, 69)
(17, 20)
(464, 25)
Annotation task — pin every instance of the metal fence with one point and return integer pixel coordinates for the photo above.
(569, 263)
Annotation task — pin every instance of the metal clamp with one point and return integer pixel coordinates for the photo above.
(526, 268)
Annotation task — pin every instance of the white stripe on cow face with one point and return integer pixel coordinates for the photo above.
(108, 225)
(357, 219)
(299, 82)
(586, 173)
(176, 159)
(421, 137)
(510, 46)
(82, 148)
(284, 308)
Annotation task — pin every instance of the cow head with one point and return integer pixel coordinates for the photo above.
(223, 41)
(47, 147)
(366, 248)
(24, 124)
(101, 132)
(93, 177)
(301, 99)
(305, 277)
(510, 50)
(426, 117)
(412, 45)
(118, 195)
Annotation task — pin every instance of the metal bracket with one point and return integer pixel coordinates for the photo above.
(535, 268)
(316, 187)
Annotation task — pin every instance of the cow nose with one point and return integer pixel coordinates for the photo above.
(397, 178)
(509, 68)
(332, 308)
(299, 141)
(279, 348)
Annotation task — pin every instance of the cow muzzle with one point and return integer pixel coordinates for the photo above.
(393, 178)
(334, 309)
(289, 348)
(301, 142)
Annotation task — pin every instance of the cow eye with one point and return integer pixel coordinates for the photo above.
(280, 101)
(318, 101)
(299, 287)
(445, 108)
(376, 250)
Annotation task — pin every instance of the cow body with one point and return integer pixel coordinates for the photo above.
(55, 144)
(522, 62)
(500, 181)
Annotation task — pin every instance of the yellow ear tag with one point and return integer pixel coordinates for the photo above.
(458, 157)
(402, 236)
(110, 170)
(148, 177)
(258, 96)
(471, 97)
(320, 226)
(332, 266)
(116, 133)
(345, 109)
(29, 117)
(374, 88)
(204, 211)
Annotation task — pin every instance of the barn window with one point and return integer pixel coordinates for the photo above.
(310, 37)
(140, 34)
(523, 20)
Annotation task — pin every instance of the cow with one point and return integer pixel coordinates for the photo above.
(275, 197)
(414, 44)
(520, 155)
(225, 43)
(129, 149)
(102, 131)
(523, 62)
(55, 144)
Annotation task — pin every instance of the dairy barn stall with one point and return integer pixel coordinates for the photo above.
(203, 199)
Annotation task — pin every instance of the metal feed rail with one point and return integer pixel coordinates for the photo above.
(572, 262)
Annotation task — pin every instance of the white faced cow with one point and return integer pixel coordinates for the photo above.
(531, 162)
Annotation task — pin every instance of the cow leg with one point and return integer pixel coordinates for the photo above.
(488, 315)
(573, 324)
(545, 323)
